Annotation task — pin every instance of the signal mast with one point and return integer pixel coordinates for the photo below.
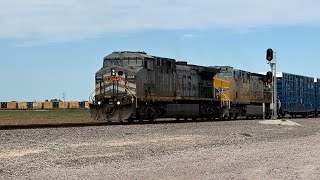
(272, 79)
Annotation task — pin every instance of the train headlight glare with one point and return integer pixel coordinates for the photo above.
(118, 103)
(99, 102)
(113, 72)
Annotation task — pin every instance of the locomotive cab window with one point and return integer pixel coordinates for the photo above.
(125, 62)
(111, 63)
(132, 62)
(150, 64)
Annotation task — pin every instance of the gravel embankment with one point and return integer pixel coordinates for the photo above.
(205, 150)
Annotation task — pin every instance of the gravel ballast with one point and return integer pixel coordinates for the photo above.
(204, 150)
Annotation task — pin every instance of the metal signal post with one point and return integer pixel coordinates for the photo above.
(271, 58)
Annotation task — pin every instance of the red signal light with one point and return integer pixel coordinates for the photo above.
(269, 54)
(269, 77)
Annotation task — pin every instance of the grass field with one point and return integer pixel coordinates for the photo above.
(13, 117)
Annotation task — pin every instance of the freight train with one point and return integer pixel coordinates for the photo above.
(136, 86)
(43, 105)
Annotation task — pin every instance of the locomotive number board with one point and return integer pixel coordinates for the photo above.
(113, 78)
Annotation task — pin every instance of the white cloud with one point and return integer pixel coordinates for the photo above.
(189, 35)
(70, 20)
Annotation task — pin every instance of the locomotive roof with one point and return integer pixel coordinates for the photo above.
(133, 54)
(127, 54)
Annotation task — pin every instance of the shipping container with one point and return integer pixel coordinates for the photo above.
(86, 105)
(12, 105)
(47, 105)
(22, 105)
(296, 94)
(3, 105)
(30, 105)
(74, 105)
(37, 105)
(55, 104)
(63, 105)
(81, 105)
(317, 94)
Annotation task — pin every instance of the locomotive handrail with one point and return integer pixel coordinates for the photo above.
(130, 92)
(91, 96)
(226, 97)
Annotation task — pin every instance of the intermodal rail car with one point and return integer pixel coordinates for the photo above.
(43, 105)
(136, 86)
(298, 95)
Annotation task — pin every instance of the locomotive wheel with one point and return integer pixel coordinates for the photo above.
(151, 113)
(236, 116)
(140, 119)
(130, 120)
(210, 113)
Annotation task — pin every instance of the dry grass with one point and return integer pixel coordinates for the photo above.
(13, 117)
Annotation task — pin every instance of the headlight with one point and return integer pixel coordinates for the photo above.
(113, 72)
(99, 102)
(118, 103)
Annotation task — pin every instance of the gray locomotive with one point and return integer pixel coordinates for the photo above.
(136, 86)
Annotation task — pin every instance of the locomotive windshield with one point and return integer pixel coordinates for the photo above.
(132, 62)
(111, 63)
(124, 63)
(225, 75)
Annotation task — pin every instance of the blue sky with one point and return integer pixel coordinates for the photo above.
(53, 46)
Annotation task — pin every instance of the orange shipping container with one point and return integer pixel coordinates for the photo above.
(86, 105)
(37, 105)
(47, 105)
(63, 105)
(22, 105)
(74, 105)
(12, 105)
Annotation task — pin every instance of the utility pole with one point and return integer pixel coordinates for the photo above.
(271, 57)
(64, 100)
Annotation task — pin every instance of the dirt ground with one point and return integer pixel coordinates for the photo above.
(204, 150)
(18, 117)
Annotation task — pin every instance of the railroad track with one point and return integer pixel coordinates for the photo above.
(158, 121)
(67, 125)
(57, 125)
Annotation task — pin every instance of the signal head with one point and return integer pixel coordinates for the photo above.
(269, 77)
(269, 54)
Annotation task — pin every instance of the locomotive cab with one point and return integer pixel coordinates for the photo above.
(116, 85)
